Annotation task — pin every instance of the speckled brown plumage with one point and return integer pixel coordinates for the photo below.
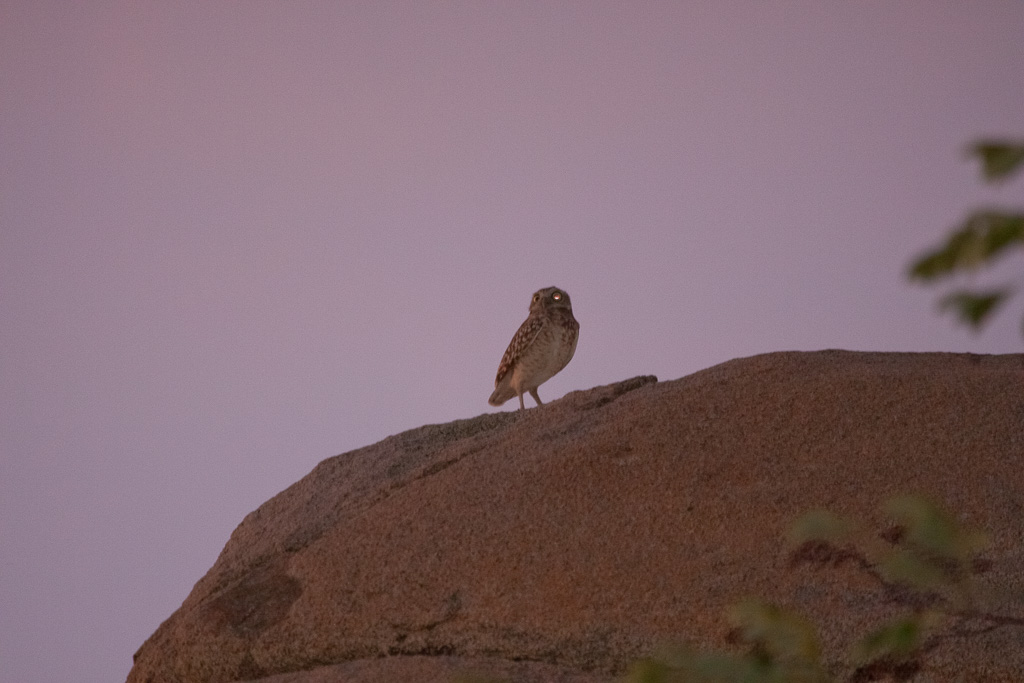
(543, 345)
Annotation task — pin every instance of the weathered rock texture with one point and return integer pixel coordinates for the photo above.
(560, 543)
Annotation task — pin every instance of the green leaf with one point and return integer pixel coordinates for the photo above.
(898, 639)
(820, 525)
(930, 527)
(720, 667)
(908, 568)
(973, 309)
(999, 159)
(649, 671)
(689, 666)
(1000, 230)
(784, 635)
(982, 237)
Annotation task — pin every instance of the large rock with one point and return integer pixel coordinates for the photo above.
(562, 542)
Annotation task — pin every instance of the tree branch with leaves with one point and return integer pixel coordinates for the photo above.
(983, 237)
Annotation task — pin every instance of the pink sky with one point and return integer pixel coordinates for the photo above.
(239, 238)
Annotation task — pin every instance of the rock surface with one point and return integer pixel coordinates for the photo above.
(560, 543)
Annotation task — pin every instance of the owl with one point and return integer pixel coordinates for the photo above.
(543, 345)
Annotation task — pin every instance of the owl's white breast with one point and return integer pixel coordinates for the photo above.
(551, 351)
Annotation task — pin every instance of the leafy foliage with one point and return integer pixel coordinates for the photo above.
(820, 525)
(934, 532)
(898, 640)
(974, 308)
(783, 649)
(982, 238)
(999, 159)
(928, 553)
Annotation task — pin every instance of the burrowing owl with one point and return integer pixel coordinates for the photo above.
(543, 345)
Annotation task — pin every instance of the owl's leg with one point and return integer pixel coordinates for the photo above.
(533, 392)
(521, 405)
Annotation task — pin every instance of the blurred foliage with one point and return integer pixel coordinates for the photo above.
(999, 159)
(926, 551)
(983, 237)
(782, 647)
(820, 525)
(932, 531)
(973, 308)
(897, 640)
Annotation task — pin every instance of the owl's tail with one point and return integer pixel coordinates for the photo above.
(500, 395)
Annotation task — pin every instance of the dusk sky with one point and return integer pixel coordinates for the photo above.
(239, 238)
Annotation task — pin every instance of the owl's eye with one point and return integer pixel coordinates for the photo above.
(557, 296)
(536, 297)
